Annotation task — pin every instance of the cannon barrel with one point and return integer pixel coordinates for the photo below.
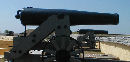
(36, 16)
(84, 31)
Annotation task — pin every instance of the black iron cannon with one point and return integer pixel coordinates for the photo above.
(35, 16)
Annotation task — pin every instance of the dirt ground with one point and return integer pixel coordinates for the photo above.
(4, 46)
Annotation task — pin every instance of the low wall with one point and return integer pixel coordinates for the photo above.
(119, 50)
(6, 38)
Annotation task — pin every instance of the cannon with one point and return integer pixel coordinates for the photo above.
(88, 37)
(36, 16)
(56, 21)
(84, 31)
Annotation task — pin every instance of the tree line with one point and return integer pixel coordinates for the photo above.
(9, 33)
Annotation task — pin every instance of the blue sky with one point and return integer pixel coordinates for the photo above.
(8, 9)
